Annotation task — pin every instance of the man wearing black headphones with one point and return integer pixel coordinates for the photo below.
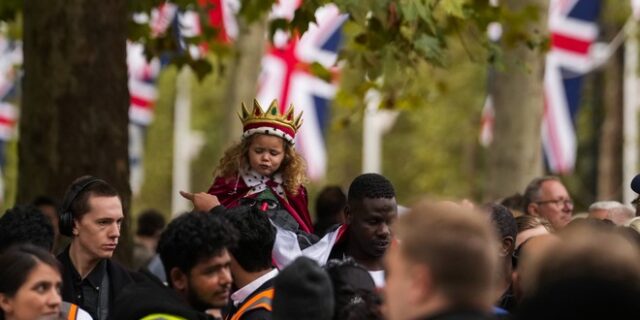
(92, 215)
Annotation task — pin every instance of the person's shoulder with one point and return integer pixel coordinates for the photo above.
(119, 274)
(257, 314)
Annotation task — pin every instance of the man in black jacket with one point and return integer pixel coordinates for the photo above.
(92, 215)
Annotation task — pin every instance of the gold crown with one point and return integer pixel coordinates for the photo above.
(286, 123)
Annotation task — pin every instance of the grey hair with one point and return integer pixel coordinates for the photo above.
(616, 211)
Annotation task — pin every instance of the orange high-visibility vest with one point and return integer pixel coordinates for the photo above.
(261, 300)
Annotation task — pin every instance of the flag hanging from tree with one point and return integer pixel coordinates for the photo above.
(573, 28)
(286, 76)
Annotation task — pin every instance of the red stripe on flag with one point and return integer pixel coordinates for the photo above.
(553, 137)
(140, 102)
(6, 122)
(572, 44)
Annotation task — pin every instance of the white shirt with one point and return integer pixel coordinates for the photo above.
(239, 296)
(378, 278)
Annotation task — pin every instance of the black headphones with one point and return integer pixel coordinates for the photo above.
(66, 215)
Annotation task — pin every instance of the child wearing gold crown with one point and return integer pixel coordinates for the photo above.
(264, 169)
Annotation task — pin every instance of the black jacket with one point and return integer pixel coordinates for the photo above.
(119, 277)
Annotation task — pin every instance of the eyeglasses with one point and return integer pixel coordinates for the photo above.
(557, 203)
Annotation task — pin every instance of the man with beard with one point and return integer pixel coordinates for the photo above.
(371, 209)
(194, 252)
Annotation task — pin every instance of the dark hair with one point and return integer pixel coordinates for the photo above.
(26, 224)
(503, 220)
(513, 202)
(370, 185)
(43, 200)
(353, 289)
(80, 205)
(150, 222)
(256, 238)
(330, 202)
(366, 305)
(17, 262)
(192, 237)
(532, 191)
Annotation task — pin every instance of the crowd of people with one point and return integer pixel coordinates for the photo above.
(250, 250)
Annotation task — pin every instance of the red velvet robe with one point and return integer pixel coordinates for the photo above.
(230, 190)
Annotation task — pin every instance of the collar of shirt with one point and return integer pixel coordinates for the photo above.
(259, 183)
(94, 278)
(239, 296)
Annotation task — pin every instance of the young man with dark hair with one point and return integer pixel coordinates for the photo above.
(194, 250)
(371, 209)
(92, 215)
(251, 264)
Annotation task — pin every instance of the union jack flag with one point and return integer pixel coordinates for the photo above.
(286, 76)
(573, 28)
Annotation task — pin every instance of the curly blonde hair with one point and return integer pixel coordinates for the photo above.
(293, 166)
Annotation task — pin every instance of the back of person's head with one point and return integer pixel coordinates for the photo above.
(353, 289)
(303, 291)
(529, 226)
(615, 211)
(634, 224)
(505, 224)
(256, 238)
(514, 203)
(458, 247)
(329, 207)
(532, 191)
(43, 200)
(17, 262)
(370, 185)
(75, 203)
(502, 219)
(150, 223)
(193, 237)
(592, 273)
(366, 305)
(25, 224)
(526, 222)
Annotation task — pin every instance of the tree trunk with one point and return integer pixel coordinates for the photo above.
(515, 153)
(243, 85)
(610, 149)
(75, 99)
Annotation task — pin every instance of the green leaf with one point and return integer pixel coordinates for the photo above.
(321, 72)
(454, 7)
(431, 47)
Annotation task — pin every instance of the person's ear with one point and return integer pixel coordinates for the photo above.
(6, 304)
(347, 214)
(422, 288)
(507, 245)
(179, 280)
(532, 209)
(75, 229)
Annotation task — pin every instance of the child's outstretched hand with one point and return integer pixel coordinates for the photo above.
(202, 201)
